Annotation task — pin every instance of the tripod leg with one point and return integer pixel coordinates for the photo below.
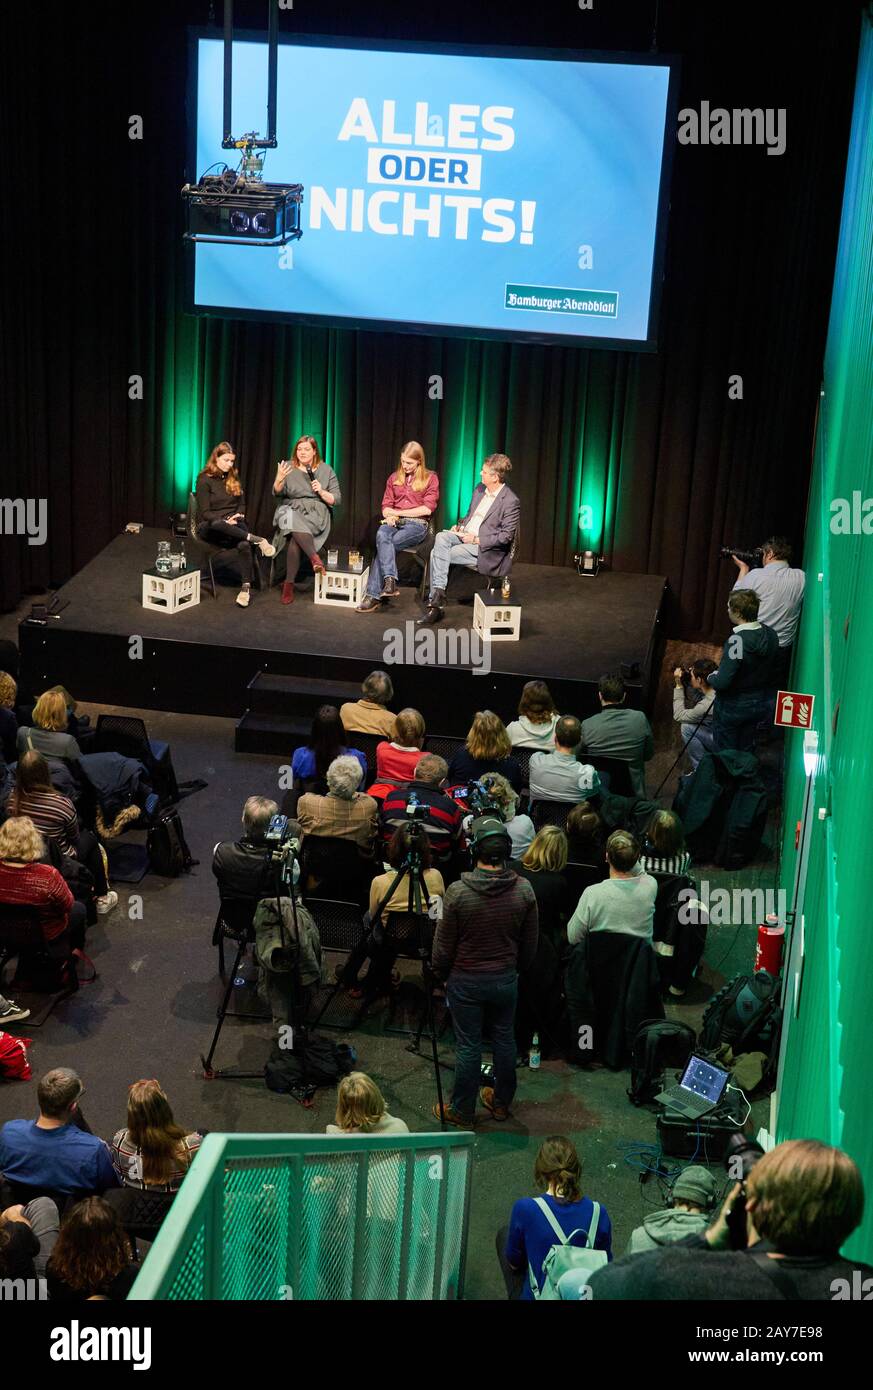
(222, 1012)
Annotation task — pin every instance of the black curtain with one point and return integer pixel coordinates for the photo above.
(92, 295)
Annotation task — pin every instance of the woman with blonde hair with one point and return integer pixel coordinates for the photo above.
(27, 882)
(221, 517)
(308, 490)
(361, 1108)
(152, 1151)
(543, 866)
(49, 732)
(409, 501)
(522, 1247)
(487, 749)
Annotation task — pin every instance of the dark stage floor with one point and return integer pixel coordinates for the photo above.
(201, 660)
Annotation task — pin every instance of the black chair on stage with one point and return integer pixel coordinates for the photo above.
(420, 554)
(39, 960)
(204, 550)
(127, 734)
(616, 769)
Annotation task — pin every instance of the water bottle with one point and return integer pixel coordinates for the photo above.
(183, 563)
(533, 1060)
(505, 588)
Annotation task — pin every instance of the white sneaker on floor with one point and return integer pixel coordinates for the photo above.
(10, 1012)
(266, 549)
(244, 597)
(107, 903)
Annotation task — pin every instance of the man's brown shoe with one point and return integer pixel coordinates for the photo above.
(451, 1116)
(498, 1112)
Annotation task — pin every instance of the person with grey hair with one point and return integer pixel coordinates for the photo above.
(241, 866)
(345, 813)
(443, 816)
(370, 714)
(482, 540)
(56, 1152)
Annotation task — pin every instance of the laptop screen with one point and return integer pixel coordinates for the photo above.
(704, 1079)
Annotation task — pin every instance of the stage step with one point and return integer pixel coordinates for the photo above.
(271, 733)
(297, 695)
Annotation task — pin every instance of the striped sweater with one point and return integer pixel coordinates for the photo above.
(39, 886)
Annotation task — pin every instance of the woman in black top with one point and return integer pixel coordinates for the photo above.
(221, 514)
(487, 749)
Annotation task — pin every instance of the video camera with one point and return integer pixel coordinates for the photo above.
(749, 557)
(742, 1153)
(283, 847)
(479, 800)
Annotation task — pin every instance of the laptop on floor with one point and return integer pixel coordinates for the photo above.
(700, 1090)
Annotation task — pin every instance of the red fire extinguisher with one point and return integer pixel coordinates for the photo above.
(770, 945)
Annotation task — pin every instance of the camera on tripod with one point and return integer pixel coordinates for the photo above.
(283, 847)
(748, 557)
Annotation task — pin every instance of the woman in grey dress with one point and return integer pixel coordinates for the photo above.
(309, 490)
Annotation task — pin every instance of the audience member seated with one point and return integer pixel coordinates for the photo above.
(522, 1247)
(345, 813)
(8, 721)
(618, 732)
(241, 866)
(624, 902)
(55, 818)
(585, 838)
(693, 1197)
(56, 1152)
(664, 849)
(48, 734)
(27, 1238)
(26, 881)
(396, 761)
(442, 823)
(309, 764)
(543, 866)
(93, 1257)
(10, 1012)
(695, 720)
(486, 938)
(370, 714)
(487, 749)
(537, 717)
(361, 1108)
(519, 828)
(382, 950)
(803, 1200)
(152, 1152)
(559, 775)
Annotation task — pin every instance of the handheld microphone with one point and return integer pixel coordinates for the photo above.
(310, 473)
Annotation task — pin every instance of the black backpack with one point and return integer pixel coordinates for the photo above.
(745, 1014)
(167, 847)
(659, 1044)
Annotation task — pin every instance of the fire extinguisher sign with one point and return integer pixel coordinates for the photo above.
(794, 710)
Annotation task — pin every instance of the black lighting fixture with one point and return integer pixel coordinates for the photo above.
(235, 206)
(587, 563)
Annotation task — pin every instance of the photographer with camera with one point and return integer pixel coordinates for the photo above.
(797, 1205)
(779, 589)
(695, 721)
(240, 866)
(487, 936)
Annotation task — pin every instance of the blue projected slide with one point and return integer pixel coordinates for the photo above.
(504, 196)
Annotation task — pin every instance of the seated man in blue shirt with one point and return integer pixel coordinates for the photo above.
(53, 1153)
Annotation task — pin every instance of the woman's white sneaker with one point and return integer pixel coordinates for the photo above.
(107, 902)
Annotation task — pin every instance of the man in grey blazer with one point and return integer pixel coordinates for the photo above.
(617, 732)
(482, 540)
